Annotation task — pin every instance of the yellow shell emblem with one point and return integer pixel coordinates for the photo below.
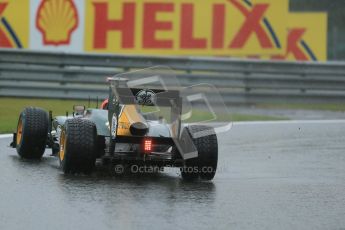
(56, 20)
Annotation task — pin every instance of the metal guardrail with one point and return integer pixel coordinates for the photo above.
(77, 76)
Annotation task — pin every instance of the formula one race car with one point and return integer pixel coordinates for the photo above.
(126, 133)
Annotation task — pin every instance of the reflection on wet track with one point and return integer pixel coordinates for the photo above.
(271, 176)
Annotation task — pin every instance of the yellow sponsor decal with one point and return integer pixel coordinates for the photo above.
(128, 116)
(186, 27)
(14, 23)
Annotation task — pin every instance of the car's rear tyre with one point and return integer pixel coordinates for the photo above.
(205, 141)
(32, 133)
(78, 146)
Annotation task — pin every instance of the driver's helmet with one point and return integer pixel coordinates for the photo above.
(104, 104)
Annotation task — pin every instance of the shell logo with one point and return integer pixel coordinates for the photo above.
(57, 20)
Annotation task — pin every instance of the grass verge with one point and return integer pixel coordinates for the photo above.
(198, 116)
(10, 109)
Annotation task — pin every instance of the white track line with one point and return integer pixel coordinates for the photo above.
(5, 136)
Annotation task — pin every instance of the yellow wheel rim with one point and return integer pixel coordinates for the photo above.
(19, 132)
(62, 145)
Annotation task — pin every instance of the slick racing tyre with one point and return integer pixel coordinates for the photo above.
(32, 133)
(78, 146)
(205, 165)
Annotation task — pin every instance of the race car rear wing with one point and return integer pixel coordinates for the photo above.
(147, 97)
(120, 94)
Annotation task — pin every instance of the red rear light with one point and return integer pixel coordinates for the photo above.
(147, 145)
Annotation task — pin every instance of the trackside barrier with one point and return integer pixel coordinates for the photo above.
(77, 76)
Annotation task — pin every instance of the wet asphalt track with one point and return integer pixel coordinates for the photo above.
(271, 176)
